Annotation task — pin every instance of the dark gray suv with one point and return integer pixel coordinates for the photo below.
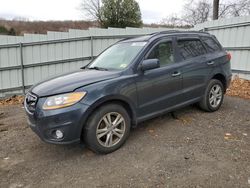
(130, 82)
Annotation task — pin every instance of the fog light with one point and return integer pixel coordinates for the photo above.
(59, 134)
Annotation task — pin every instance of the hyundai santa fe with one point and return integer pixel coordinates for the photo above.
(132, 81)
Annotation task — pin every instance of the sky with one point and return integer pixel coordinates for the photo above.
(153, 11)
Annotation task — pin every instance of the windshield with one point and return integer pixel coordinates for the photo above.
(118, 56)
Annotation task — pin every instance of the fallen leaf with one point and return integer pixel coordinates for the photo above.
(228, 136)
(151, 130)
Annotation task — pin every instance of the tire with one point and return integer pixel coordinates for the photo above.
(208, 103)
(100, 135)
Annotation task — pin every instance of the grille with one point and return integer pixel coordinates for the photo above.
(30, 103)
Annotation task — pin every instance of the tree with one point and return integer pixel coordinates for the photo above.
(196, 12)
(92, 10)
(12, 31)
(172, 20)
(3, 30)
(121, 13)
(216, 9)
(234, 8)
(199, 11)
(113, 13)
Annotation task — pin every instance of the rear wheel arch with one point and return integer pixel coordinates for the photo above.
(222, 79)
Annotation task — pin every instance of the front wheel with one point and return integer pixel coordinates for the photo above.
(107, 128)
(213, 97)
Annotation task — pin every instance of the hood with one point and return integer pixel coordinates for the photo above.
(71, 81)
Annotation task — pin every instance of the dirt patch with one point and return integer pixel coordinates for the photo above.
(188, 149)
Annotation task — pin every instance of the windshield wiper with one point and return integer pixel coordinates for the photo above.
(98, 68)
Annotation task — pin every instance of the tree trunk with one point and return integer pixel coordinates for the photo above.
(215, 9)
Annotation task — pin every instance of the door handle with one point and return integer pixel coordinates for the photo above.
(210, 63)
(176, 74)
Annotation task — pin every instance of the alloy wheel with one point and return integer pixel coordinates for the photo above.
(215, 95)
(110, 129)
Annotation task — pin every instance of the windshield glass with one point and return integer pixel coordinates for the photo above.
(118, 57)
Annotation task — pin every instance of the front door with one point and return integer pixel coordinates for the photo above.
(159, 89)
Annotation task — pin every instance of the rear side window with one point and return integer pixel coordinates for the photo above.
(210, 44)
(191, 48)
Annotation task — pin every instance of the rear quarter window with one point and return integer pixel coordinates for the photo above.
(189, 48)
(210, 44)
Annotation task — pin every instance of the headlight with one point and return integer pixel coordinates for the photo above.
(63, 100)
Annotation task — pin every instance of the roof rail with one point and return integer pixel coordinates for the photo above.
(175, 31)
(124, 39)
(164, 32)
(196, 32)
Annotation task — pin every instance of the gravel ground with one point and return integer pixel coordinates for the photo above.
(196, 150)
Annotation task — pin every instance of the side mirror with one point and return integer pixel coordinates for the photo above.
(150, 64)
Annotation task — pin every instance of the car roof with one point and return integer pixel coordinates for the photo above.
(156, 35)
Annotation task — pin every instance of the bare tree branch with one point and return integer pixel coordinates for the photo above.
(234, 8)
(196, 12)
(199, 11)
(91, 9)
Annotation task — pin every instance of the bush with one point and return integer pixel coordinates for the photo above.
(12, 31)
(3, 30)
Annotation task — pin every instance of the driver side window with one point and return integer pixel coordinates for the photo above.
(164, 52)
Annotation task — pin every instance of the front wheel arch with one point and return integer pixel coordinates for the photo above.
(111, 100)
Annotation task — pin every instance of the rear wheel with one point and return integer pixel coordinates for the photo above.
(107, 128)
(213, 97)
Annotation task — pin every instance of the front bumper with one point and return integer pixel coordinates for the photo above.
(69, 121)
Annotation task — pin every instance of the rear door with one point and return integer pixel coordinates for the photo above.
(215, 54)
(195, 67)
